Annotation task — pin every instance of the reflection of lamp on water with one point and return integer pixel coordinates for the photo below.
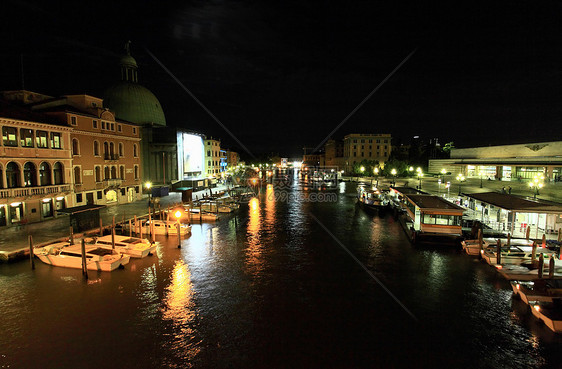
(178, 216)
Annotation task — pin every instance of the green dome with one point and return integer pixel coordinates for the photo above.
(134, 103)
(128, 60)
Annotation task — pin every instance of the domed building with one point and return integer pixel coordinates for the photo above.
(134, 103)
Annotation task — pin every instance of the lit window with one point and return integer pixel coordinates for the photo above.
(10, 136)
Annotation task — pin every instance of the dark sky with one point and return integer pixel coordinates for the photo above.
(281, 75)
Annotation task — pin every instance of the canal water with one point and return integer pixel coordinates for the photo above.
(269, 287)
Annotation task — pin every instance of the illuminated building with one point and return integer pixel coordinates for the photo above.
(505, 162)
(363, 146)
(212, 157)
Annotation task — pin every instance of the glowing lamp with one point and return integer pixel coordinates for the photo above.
(178, 214)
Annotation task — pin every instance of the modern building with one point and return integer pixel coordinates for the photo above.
(134, 103)
(505, 162)
(35, 163)
(358, 147)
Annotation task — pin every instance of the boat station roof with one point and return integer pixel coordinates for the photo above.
(408, 190)
(429, 202)
(516, 203)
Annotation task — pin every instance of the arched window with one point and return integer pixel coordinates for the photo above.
(13, 175)
(136, 172)
(121, 151)
(77, 177)
(45, 174)
(122, 172)
(96, 148)
(1, 176)
(106, 149)
(135, 151)
(113, 172)
(58, 173)
(112, 149)
(75, 148)
(98, 174)
(106, 173)
(29, 175)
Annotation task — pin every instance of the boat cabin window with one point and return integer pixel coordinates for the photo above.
(131, 240)
(76, 255)
(100, 251)
(440, 219)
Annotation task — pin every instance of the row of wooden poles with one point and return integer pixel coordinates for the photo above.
(539, 264)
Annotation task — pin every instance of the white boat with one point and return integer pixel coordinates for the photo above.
(203, 215)
(537, 290)
(371, 199)
(63, 254)
(515, 255)
(550, 313)
(472, 247)
(166, 227)
(132, 246)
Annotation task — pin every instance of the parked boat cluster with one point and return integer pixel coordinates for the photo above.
(109, 252)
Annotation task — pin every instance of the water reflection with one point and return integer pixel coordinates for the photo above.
(254, 250)
(179, 308)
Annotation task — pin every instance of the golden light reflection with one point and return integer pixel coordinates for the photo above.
(180, 309)
(254, 250)
(269, 208)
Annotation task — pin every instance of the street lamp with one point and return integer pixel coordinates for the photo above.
(148, 185)
(410, 170)
(443, 172)
(461, 179)
(376, 171)
(362, 169)
(537, 183)
(481, 174)
(420, 175)
(393, 172)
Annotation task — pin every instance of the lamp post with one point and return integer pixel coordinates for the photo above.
(393, 172)
(537, 183)
(376, 172)
(420, 175)
(148, 185)
(481, 174)
(362, 169)
(178, 216)
(461, 179)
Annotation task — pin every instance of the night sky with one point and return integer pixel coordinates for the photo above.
(281, 75)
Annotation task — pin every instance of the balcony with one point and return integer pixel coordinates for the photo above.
(113, 182)
(111, 157)
(33, 191)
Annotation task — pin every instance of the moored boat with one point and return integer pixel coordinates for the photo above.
(550, 313)
(166, 227)
(537, 290)
(63, 254)
(372, 199)
(132, 246)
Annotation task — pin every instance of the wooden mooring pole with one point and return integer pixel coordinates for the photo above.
(113, 233)
(84, 265)
(71, 238)
(31, 254)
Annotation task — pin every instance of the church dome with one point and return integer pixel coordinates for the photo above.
(134, 103)
(131, 101)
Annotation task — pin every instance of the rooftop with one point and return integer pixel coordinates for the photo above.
(433, 202)
(516, 203)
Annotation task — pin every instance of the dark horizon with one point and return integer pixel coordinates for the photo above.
(283, 76)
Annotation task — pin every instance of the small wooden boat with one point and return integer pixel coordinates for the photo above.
(550, 313)
(166, 227)
(513, 272)
(371, 199)
(197, 215)
(63, 254)
(514, 254)
(132, 246)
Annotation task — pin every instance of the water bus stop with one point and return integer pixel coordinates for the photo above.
(509, 213)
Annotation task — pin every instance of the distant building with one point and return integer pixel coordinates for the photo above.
(333, 154)
(362, 146)
(505, 162)
(232, 159)
(35, 162)
(212, 150)
(106, 156)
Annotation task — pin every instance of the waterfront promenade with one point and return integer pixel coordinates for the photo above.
(16, 238)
